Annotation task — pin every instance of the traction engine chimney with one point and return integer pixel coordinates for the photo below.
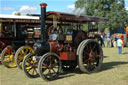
(43, 23)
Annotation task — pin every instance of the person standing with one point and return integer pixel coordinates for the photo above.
(115, 42)
(112, 39)
(108, 42)
(119, 44)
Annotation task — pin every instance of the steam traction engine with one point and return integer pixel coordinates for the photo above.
(63, 47)
(16, 31)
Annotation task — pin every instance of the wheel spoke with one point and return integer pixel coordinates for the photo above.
(55, 65)
(94, 47)
(25, 51)
(53, 70)
(6, 57)
(43, 69)
(21, 53)
(28, 70)
(45, 65)
(29, 62)
(35, 70)
(89, 47)
(19, 62)
(86, 53)
(20, 58)
(50, 59)
(49, 73)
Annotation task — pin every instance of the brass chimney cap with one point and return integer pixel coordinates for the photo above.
(43, 4)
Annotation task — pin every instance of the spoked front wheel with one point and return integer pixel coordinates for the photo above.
(21, 53)
(30, 65)
(90, 56)
(49, 66)
(7, 57)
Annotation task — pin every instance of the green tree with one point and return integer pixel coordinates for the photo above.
(113, 10)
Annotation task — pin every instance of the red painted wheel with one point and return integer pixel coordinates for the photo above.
(7, 57)
(90, 56)
(49, 66)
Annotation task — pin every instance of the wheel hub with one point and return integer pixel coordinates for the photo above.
(11, 58)
(34, 65)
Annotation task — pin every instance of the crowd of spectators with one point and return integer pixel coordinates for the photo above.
(105, 40)
(113, 41)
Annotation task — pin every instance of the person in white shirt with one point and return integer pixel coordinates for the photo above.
(119, 45)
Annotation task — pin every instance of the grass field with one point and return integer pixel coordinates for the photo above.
(114, 71)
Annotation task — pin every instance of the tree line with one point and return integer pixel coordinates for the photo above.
(113, 10)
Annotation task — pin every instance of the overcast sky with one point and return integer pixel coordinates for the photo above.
(32, 6)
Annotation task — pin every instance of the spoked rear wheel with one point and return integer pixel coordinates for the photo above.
(30, 65)
(7, 57)
(49, 66)
(90, 56)
(21, 53)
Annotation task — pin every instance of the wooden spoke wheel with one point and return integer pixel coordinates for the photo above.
(21, 53)
(49, 66)
(7, 57)
(90, 56)
(30, 65)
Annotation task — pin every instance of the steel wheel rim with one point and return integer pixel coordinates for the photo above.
(49, 66)
(91, 56)
(21, 54)
(31, 65)
(8, 58)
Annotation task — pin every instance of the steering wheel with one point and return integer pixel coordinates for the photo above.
(52, 29)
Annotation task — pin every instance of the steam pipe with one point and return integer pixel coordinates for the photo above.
(43, 23)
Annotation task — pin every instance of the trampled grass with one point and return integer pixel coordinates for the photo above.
(114, 71)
